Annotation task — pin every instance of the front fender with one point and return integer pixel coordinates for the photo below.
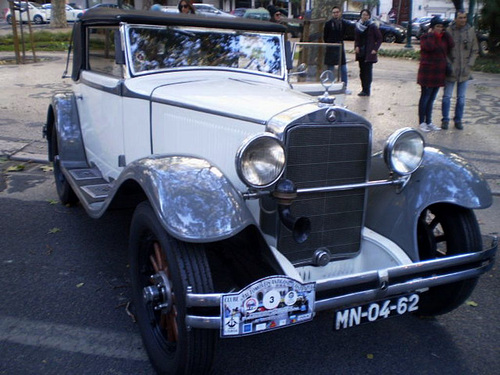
(443, 177)
(193, 199)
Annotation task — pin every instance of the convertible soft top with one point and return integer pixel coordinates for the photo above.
(113, 16)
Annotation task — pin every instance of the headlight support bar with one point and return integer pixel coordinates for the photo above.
(400, 181)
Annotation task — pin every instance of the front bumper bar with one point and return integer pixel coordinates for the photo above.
(361, 288)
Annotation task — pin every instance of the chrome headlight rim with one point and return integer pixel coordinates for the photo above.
(246, 147)
(400, 138)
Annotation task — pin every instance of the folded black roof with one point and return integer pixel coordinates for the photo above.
(113, 16)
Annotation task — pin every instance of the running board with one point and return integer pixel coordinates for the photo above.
(100, 191)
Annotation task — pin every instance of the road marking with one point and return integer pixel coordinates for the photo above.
(72, 338)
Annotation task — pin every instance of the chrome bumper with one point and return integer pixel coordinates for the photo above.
(340, 292)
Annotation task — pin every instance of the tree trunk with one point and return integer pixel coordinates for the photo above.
(58, 16)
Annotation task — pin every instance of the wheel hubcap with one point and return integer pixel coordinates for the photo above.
(159, 294)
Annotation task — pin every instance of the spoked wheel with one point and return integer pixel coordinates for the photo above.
(445, 230)
(64, 190)
(161, 269)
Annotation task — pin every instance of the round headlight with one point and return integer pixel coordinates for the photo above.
(260, 161)
(404, 151)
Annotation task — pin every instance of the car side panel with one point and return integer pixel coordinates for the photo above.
(101, 115)
(182, 131)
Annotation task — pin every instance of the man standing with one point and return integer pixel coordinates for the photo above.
(462, 57)
(334, 32)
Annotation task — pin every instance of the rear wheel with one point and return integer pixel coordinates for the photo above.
(445, 230)
(161, 270)
(38, 19)
(9, 19)
(64, 190)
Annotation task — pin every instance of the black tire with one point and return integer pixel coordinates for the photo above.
(483, 48)
(9, 19)
(38, 19)
(445, 230)
(171, 346)
(65, 192)
(389, 38)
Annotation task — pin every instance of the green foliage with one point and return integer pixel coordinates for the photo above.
(490, 20)
(44, 41)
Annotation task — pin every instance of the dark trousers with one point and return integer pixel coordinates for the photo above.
(425, 104)
(366, 75)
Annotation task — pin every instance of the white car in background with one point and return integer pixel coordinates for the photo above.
(72, 14)
(210, 10)
(36, 13)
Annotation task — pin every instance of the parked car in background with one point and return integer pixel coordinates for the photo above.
(415, 25)
(255, 206)
(210, 10)
(72, 14)
(37, 14)
(391, 33)
(252, 13)
(113, 6)
(424, 26)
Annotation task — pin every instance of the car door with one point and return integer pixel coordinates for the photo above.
(100, 103)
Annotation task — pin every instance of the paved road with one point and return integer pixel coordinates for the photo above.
(64, 281)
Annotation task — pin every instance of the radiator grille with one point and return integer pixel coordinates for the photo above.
(326, 156)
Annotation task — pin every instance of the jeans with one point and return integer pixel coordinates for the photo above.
(366, 75)
(427, 97)
(343, 72)
(459, 107)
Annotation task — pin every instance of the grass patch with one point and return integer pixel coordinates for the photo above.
(43, 40)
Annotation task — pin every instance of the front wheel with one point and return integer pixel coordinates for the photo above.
(389, 38)
(161, 270)
(9, 19)
(445, 230)
(483, 47)
(38, 19)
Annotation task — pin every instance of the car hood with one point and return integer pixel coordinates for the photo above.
(257, 100)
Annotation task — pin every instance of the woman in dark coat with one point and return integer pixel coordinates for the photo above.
(367, 41)
(435, 46)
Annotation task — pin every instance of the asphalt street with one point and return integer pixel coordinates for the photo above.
(64, 281)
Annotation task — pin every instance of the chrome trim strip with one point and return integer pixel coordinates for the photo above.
(417, 276)
(327, 189)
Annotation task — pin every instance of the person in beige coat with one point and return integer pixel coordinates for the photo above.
(462, 58)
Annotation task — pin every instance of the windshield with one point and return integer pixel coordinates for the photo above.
(157, 48)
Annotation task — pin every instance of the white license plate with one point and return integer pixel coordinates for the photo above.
(374, 311)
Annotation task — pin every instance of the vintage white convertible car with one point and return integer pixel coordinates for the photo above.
(254, 205)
